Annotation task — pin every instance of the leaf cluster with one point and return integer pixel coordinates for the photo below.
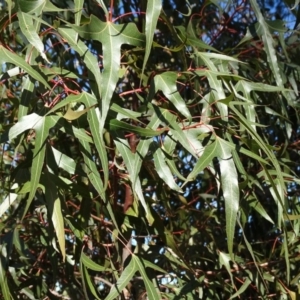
(148, 150)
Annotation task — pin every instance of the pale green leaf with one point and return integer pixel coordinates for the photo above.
(242, 289)
(78, 10)
(58, 223)
(224, 260)
(112, 36)
(54, 206)
(152, 292)
(124, 279)
(80, 47)
(133, 164)
(163, 170)
(268, 44)
(29, 30)
(230, 188)
(166, 82)
(89, 282)
(206, 157)
(9, 7)
(63, 161)
(91, 264)
(7, 202)
(8, 57)
(152, 14)
(3, 278)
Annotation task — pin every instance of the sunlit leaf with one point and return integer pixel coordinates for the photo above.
(3, 278)
(53, 203)
(166, 82)
(28, 29)
(152, 14)
(244, 286)
(63, 161)
(163, 170)
(91, 264)
(112, 36)
(126, 276)
(7, 56)
(230, 188)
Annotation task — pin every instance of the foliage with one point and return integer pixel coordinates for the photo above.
(149, 150)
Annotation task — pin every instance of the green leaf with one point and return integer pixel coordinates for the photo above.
(259, 208)
(91, 264)
(152, 292)
(41, 125)
(103, 6)
(7, 202)
(152, 14)
(80, 47)
(133, 164)
(280, 189)
(9, 57)
(78, 10)
(189, 37)
(115, 125)
(268, 46)
(87, 278)
(93, 119)
(33, 6)
(166, 118)
(63, 161)
(3, 278)
(95, 177)
(166, 82)
(242, 289)
(163, 170)
(210, 152)
(225, 261)
(124, 279)
(124, 113)
(54, 207)
(112, 36)
(135, 264)
(29, 30)
(230, 188)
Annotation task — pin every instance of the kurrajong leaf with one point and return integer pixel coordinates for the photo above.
(152, 14)
(28, 29)
(9, 57)
(166, 82)
(112, 36)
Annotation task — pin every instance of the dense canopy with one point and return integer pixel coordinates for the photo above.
(149, 149)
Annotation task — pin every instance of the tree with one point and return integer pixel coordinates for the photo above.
(149, 150)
